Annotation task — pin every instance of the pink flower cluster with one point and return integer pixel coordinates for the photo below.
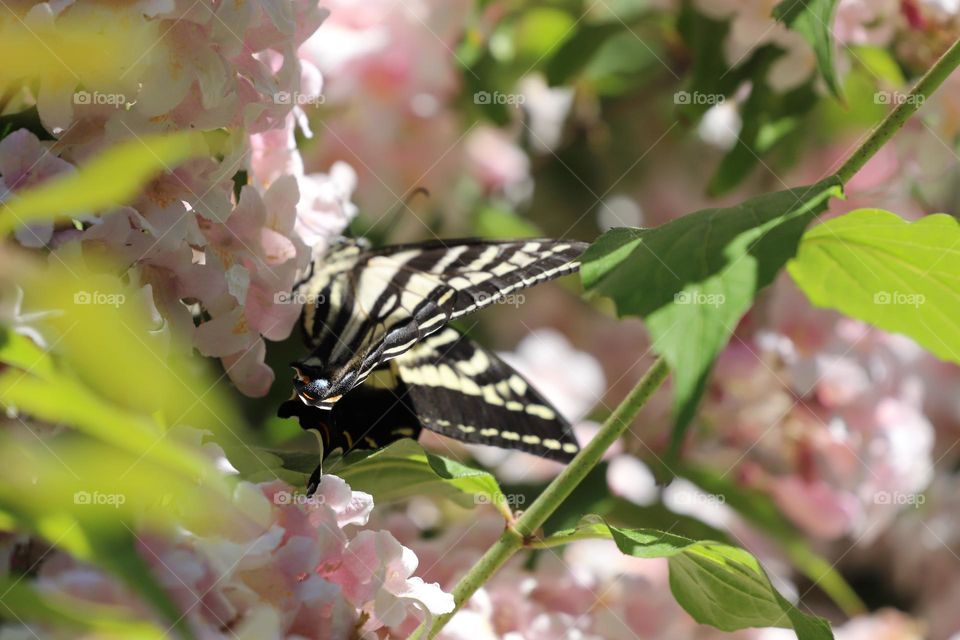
(219, 265)
(393, 76)
(290, 567)
(830, 416)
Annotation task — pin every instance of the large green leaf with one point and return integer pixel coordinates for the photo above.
(900, 276)
(813, 19)
(693, 278)
(717, 584)
(112, 178)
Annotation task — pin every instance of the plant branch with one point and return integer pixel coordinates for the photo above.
(520, 533)
(908, 105)
(513, 538)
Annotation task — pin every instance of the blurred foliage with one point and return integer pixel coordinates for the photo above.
(88, 452)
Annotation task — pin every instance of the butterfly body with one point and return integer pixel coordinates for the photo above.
(384, 364)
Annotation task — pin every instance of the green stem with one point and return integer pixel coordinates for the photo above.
(882, 133)
(557, 491)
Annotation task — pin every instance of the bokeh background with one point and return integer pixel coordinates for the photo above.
(826, 447)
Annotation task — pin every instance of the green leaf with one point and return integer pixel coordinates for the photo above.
(404, 469)
(88, 498)
(96, 313)
(813, 19)
(75, 406)
(717, 584)
(541, 31)
(622, 62)
(693, 278)
(901, 276)
(23, 353)
(112, 178)
(760, 510)
(577, 50)
(26, 604)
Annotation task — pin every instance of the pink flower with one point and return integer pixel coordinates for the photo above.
(284, 568)
(26, 162)
(497, 163)
(394, 67)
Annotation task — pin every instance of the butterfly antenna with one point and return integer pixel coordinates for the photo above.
(393, 216)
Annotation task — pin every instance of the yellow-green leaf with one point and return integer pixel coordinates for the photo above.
(112, 178)
(901, 276)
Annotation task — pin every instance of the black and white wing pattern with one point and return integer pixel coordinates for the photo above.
(451, 385)
(461, 390)
(365, 306)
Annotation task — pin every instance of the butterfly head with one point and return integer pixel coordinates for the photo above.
(314, 388)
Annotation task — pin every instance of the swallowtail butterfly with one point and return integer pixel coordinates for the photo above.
(384, 364)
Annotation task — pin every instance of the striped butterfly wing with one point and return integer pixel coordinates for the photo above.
(461, 390)
(366, 307)
(448, 384)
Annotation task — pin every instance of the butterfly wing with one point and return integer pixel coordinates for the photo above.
(463, 391)
(366, 307)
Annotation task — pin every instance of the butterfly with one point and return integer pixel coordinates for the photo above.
(384, 364)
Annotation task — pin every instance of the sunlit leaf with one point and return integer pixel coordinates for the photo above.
(93, 501)
(23, 353)
(112, 178)
(64, 402)
(404, 469)
(717, 584)
(108, 342)
(900, 276)
(693, 278)
(541, 30)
